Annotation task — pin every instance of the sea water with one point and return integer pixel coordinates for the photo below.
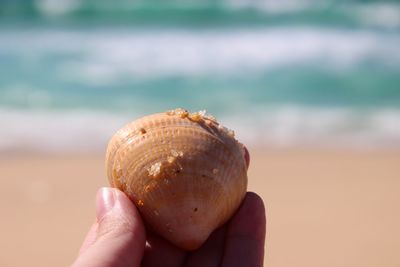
(280, 73)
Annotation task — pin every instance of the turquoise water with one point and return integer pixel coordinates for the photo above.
(278, 72)
(204, 13)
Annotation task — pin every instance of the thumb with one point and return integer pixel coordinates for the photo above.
(117, 238)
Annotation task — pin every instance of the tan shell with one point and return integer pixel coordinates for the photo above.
(186, 174)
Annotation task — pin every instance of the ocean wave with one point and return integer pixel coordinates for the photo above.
(130, 69)
(367, 14)
(110, 55)
(285, 126)
(291, 126)
(49, 131)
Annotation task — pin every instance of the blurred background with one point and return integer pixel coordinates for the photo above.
(312, 87)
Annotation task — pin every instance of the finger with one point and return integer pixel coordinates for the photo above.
(90, 237)
(119, 237)
(160, 252)
(246, 156)
(245, 236)
(210, 254)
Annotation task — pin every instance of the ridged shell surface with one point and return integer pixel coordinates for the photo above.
(186, 174)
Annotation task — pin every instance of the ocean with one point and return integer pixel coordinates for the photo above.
(280, 73)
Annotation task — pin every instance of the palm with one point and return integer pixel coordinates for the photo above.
(239, 243)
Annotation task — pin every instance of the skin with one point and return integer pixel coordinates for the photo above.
(118, 238)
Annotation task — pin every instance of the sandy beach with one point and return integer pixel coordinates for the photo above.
(310, 87)
(325, 208)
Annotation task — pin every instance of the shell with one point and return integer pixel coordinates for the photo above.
(185, 172)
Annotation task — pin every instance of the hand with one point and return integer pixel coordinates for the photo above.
(118, 238)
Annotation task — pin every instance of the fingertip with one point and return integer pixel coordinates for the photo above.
(254, 202)
(112, 199)
(250, 218)
(118, 236)
(122, 214)
(246, 156)
(126, 204)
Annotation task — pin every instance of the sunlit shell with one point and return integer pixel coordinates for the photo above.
(185, 172)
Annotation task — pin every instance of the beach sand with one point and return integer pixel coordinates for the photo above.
(325, 208)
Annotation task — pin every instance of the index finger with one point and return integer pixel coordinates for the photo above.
(245, 236)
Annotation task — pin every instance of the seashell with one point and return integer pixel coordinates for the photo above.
(185, 172)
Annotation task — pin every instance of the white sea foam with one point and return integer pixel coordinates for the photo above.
(325, 127)
(52, 131)
(286, 126)
(276, 6)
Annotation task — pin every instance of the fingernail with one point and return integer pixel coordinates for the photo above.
(105, 201)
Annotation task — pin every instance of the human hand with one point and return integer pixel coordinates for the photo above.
(118, 238)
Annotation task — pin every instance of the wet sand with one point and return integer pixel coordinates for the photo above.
(325, 208)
